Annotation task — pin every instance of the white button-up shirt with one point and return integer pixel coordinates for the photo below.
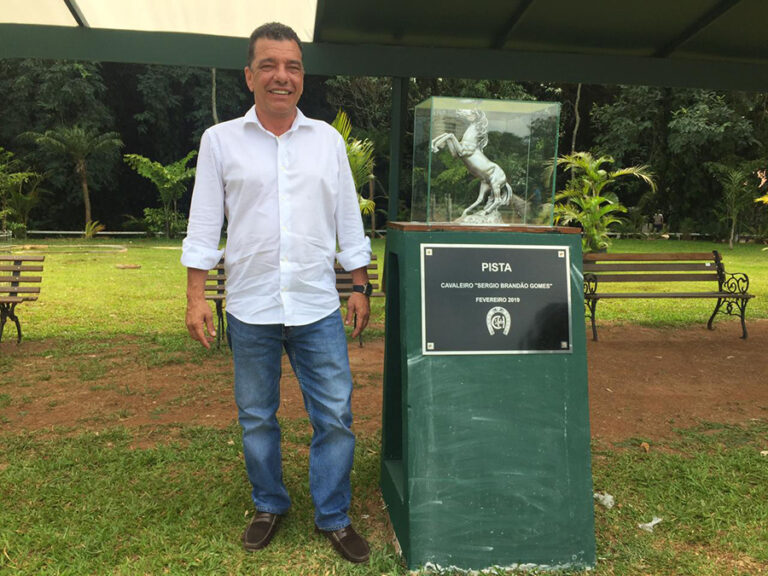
(287, 201)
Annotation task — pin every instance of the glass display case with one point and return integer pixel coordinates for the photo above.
(484, 162)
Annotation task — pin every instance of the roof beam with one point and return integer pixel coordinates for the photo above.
(27, 41)
(503, 35)
(77, 14)
(695, 27)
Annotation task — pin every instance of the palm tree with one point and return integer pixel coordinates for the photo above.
(360, 156)
(11, 178)
(737, 194)
(586, 199)
(170, 181)
(79, 144)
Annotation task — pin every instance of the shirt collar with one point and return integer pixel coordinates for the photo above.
(251, 118)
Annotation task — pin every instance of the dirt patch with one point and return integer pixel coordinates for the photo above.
(643, 383)
(122, 384)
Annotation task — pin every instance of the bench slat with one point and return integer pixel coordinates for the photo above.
(7, 268)
(648, 267)
(347, 280)
(21, 278)
(601, 295)
(648, 257)
(20, 289)
(13, 299)
(18, 258)
(656, 278)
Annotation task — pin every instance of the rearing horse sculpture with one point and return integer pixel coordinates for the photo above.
(493, 181)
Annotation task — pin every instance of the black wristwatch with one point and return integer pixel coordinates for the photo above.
(366, 288)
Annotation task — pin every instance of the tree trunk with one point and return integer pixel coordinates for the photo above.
(213, 97)
(577, 116)
(373, 214)
(82, 171)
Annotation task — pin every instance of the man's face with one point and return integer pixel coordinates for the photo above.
(276, 78)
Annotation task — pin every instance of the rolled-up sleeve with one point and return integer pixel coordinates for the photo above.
(354, 245)
(200, 248)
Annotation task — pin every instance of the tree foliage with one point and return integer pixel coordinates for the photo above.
(360, 156)
(587, 200)
(738, 193)
(12, 177)
(677, 132)
(170, 181)
(79, 144)
(160, 112)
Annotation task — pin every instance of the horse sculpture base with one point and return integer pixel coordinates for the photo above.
(493, 217)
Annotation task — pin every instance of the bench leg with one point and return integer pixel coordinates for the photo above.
(219, 323)
(714, 313)
(740, 304)
(743, 310)
(592, 306)
(6, 312)
(743, 327)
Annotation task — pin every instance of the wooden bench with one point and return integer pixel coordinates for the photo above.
(216, 285)
(215, 289)
(17, 287)
(603, 272)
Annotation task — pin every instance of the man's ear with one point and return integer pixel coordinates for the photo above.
(249, 77)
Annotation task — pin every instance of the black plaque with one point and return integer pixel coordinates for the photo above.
(495, 299)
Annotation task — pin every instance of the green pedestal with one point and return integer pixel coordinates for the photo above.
(485, 456)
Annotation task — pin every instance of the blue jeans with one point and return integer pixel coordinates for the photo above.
(318, 356)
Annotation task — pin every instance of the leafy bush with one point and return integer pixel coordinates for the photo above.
(158, 222)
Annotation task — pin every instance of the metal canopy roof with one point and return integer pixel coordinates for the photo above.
(704, 43)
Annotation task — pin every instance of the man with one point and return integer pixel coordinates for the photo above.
(283, 183)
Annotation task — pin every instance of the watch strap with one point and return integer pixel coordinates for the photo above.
(365, 289)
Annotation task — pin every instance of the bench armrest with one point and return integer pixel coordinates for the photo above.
(590, 283)
(735, 283)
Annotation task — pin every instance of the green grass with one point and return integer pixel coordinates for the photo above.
(85, 294)
(94, 504)
(711, 490)
(77, 502)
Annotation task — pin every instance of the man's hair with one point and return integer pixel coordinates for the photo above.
(273, 31)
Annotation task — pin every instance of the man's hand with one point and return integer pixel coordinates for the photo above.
(359, 305)
(199, 317)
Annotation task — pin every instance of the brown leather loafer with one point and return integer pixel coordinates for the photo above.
(260, 531)
(348, 543)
